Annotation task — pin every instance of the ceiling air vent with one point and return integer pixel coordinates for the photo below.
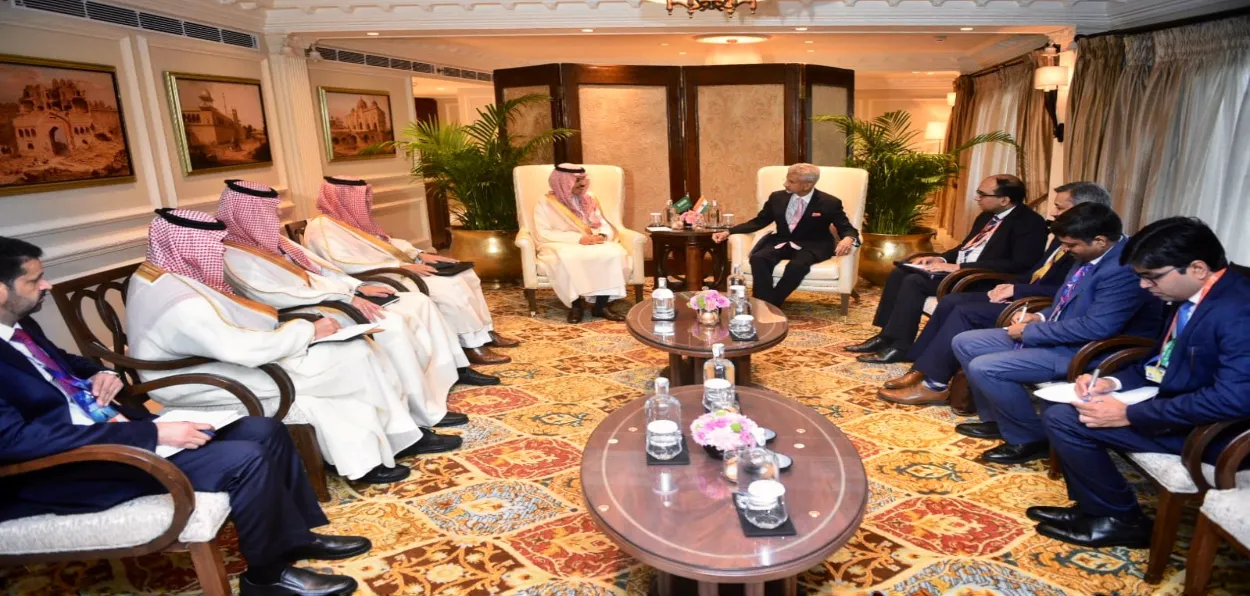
(126, 17)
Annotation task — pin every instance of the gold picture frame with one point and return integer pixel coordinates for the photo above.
(68, 132)
(347, 127)
(212, 139)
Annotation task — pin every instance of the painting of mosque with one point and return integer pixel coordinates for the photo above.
(60, 126)
(355, 121)
(219, 122)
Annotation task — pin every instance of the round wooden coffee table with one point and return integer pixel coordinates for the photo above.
(681, 519)
(690, 343)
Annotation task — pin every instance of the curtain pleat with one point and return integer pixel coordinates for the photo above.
(957, 131)
(1098, 68)
(997, 98)
(1035, 130)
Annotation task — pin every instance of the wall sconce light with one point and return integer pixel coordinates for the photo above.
(950, 98)
(1048, 78)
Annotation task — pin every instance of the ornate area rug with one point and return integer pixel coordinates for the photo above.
(504, 514)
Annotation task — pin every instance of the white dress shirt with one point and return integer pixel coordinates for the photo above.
(803, 201)
(76, 413)
(971, 256)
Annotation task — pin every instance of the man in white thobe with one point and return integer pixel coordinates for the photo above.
(262, 265)
(179, 305)
(347, 236)
(578, 248)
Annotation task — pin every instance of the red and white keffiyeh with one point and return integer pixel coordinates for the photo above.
(350, 200)
(188, 243)
(562, 180)
(250, 212)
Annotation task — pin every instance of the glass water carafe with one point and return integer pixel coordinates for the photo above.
(713, 215)
(663, 413)
(719, 367)
(737, 280)
(663, 304)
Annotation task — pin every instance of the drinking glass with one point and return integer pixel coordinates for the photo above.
(718, 394)
(754, 463)
(727, 220)
(663, 439)
(765, 504)
(742, 325)
(655, 220)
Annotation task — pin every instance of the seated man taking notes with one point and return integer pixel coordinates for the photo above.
(1202, 370)
(52, 401)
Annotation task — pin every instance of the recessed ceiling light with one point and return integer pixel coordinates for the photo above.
(800, 28)
(965, 28)
(731, 39)
(928, 73)
(441, 88)
(682, 53)
(809, 41)
(663, 44)
(915, 72)
(373, 34)
(810, 51)
(588, 30)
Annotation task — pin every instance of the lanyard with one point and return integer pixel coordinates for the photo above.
(1165, 355)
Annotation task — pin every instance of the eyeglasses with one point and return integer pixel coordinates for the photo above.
(1153, 278)
(986, 195)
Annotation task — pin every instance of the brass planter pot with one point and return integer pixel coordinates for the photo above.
(496, 258)
(879, 251)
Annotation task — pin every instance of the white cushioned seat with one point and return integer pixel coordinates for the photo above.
(1228, 508)
(930, 305)
(1167, 469)
(132, 523)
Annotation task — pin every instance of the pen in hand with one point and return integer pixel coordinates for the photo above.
(1093, 382)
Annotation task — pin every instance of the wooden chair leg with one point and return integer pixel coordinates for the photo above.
(1163, 537)
(1201, 558)
(960, 396)
(1055, 468)
(637, 293)
(845, 309)
(531, 296)
(210, 568)
(305, 438)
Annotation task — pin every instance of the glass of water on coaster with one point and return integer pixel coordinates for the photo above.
(766, 504)
(754, 462)
(718, 394)
(663, 413)
(655, 220)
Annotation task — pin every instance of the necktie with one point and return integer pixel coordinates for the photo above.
(1069, 289)
(1045, 268)
(794, 212)
(1182, 317)
(984, 234)
(73, 388)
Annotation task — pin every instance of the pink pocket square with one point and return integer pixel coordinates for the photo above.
(817, 214)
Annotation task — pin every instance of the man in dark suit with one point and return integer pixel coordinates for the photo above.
(935, 362)
(1099, 299)
(804, 217)
(1007, 237)
(1201, 367)
(52, 401)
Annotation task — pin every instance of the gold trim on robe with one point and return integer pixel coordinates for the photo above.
(577, 221)
(150, 273)
(378, 242)
(278, 260)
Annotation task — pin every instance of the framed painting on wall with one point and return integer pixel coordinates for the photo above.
(219, 122)
(61, 126)
(352, 120)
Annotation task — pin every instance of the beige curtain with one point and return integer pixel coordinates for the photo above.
(1035, 131)
(1098, 69)
(997, 97)
(958, 130)
(1115, 160)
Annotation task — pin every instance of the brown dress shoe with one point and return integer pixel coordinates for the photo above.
(499, 341)
(484, 355)
(907, 380)
(915, 395)
(576, 310)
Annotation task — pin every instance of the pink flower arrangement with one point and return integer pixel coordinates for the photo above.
(709, 300)
(690, 217)
(723, 430)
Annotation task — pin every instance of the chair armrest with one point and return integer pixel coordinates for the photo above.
(235, 388)
(352, 312)
(962, 280)
(635, 244)
(160, 469)
(529, 259)
(1127, 348)
(375, 274)
(1230, 458)
(738, 249)
(1034, 303)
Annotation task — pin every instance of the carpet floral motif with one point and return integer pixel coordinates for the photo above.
(504, 514)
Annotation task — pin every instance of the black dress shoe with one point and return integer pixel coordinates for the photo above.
(1062, 515)
(330, 548)
(385, 475)
(453, 419)
(1010, 453)
(889, 356)
(469, 376)
(576, 310)
(302, 582)
(1098, 532)
(431, 442)
(979, 430)
(874, 344)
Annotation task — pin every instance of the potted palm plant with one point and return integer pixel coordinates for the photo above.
(472, 166)
(901, 183)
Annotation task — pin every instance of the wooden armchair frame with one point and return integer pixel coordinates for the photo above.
(70, 296)
(1208, 535)
(295, 231)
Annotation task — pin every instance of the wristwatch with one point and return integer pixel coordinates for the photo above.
(855, 242)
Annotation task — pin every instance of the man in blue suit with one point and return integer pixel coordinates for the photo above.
(52, 401)
(1201, 367)
(1099, 299)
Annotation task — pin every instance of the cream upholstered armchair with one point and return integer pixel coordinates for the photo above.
(607, 184)
(836, 275)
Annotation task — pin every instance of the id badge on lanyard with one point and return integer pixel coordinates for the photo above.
(1157, 367)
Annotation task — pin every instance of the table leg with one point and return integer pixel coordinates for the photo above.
(709, 589)
(696, 371)
(694, 267)
(754, 589)
(675, 370)
(742, 371)
(663, 584)
(790, 586)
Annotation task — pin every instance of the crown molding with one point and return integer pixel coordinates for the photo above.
(1123, 15)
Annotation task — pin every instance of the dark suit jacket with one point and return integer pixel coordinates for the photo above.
(1016, 245)
(812, 233)
(1208, 379)
(35, 422)
(1049, 283)
(1108, 302)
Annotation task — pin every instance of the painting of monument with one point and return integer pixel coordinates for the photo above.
(219, 121)
(354, 120)
(60, 126)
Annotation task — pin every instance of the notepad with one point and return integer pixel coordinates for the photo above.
(1065, 393)
(349, 332)
(914, 268)
(659, 229)
(381, 300)
(217, 419)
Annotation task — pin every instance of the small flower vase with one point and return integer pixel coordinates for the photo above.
(709, 316)
(713, 452)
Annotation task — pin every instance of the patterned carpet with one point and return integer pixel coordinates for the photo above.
(504, 514)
